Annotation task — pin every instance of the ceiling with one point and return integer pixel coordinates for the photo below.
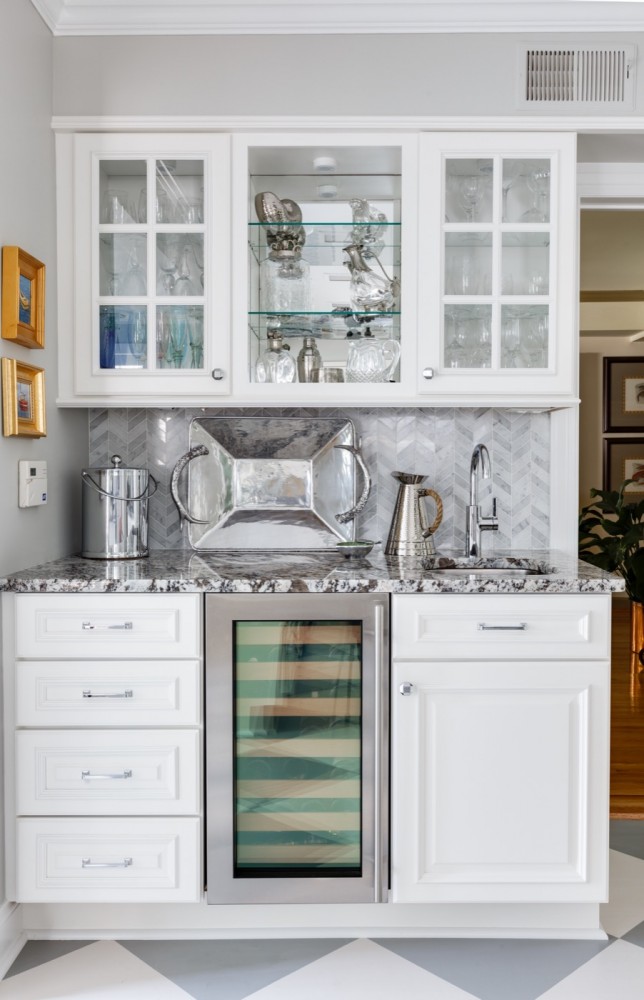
(175, 17)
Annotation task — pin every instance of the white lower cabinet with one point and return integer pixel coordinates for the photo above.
(103, 712)
(499, 760)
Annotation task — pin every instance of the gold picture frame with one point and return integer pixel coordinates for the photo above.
(23, 298)
(23, 399)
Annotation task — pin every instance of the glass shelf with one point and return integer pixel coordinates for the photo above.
(334, 325)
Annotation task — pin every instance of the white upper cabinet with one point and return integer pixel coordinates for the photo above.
(324, 251)
(144, 268)
(497, 313)
(432, 269)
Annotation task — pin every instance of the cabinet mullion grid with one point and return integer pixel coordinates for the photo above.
(151, 238)
(497, 262)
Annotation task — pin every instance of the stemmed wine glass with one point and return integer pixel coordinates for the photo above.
(178, 337)
(134, 282)
(163, 337)
(184, 283)
(138, 338)
(538, 183)
(195, 336)
(470, 190)
(167, 259)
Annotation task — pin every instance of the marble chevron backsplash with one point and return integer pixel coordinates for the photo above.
(437, 443)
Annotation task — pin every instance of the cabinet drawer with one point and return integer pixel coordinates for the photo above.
(108, 693)
(105, 772)
(501, 627)
(108, 625)
(108, 860)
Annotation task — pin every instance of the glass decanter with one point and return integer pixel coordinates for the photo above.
(276, 363)
(369, 291)
(285, 284)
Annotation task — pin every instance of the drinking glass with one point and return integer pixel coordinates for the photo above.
(538, 183)
(116, 207)
(184, 283)
(470, 190)
(178, 337)
(164, 329)
(134, 280)
(138, 338)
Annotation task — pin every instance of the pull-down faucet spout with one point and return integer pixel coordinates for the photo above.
(474, 524)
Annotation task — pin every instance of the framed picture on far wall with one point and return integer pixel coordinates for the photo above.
(624, 394)
(23, 298)
(23, 399)
(624, 459)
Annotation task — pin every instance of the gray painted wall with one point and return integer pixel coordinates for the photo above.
(28, 220)
(430, 74)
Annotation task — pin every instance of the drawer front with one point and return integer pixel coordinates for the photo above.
(108, 625)
(501, 627)
(108, 693)
(153, 772)
(108, 860)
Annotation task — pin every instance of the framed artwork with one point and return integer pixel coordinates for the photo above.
(624, 459)
(23, 298)
(23, 399)
(624, 394)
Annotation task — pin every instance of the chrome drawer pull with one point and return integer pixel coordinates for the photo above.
(521, 627)
(88, 863)
(124, 694)
(88, 776)
(88, 627)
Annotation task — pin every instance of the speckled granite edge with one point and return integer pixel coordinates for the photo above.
(179, 571)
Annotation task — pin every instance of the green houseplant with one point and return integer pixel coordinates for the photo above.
(611, 536)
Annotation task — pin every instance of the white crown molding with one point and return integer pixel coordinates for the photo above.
(346, 123)
(266, 17)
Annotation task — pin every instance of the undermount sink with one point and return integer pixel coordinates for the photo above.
(503, 566)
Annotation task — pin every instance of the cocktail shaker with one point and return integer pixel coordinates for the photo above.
(309, 360)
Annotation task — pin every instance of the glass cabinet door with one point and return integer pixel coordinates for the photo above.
(151, 264)
(144, 268)
(497, 299)
(496, 252)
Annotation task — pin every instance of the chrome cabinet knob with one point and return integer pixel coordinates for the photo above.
(406, 688)
(428, 373)
(218, 374)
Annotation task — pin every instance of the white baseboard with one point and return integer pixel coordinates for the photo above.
(12, 936)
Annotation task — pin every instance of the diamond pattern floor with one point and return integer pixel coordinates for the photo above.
(362, 969)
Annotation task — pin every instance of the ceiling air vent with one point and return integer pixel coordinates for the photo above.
(588, 76)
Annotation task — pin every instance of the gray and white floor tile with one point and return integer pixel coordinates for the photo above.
(362, 969)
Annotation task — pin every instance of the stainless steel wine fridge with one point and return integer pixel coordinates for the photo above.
(297, 747)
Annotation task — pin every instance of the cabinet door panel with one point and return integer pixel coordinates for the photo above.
(500, 781)
(144, 268)
(496, 267)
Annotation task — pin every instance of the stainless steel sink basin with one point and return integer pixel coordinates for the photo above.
(506, 566)
(482, 571)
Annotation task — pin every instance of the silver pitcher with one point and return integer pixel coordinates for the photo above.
(411, 533)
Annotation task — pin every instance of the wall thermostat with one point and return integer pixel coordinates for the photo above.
(32, 484)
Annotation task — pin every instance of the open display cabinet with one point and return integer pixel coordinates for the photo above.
(329, 267)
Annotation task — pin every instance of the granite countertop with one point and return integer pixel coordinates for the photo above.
(187, 571)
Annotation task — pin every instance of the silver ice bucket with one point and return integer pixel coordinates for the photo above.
(115, 511)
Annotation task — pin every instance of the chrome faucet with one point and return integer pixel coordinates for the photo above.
(475, 523)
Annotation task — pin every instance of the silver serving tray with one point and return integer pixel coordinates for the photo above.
(268, 483)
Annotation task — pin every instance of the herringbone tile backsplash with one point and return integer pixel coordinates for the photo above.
(437, 443)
